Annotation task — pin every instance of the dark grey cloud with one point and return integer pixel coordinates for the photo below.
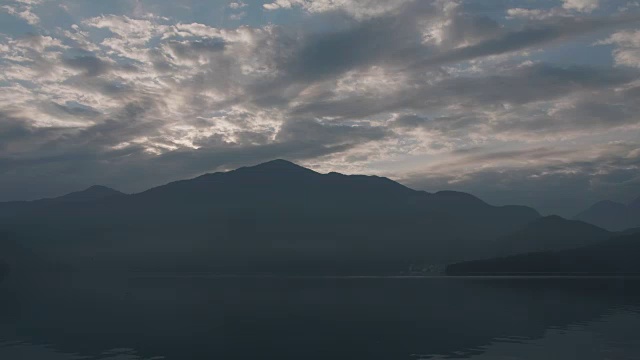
(91, 65)
(533, 83)
(517, 86)
(471, 157)
(28, 146)
(313, 132)
(411, 121)
(375, 40)
(18, 137)
(75, 110)
(529, 36)
(393, 40)
(604, 111)
(449, 125)
(12, 132)
(191, 48)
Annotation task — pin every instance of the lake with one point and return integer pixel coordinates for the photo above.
(75, 316)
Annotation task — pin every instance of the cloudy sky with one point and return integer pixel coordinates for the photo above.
(517, 101)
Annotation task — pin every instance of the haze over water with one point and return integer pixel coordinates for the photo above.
(208, 317)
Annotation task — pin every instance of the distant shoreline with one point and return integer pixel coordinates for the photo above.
(327, 276)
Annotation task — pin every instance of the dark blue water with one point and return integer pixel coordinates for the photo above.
(205, 317)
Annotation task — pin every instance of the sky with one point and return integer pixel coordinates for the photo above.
(516, 101)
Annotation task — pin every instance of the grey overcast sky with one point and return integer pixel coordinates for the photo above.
(516, 101)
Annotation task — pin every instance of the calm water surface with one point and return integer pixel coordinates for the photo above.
(206, 317)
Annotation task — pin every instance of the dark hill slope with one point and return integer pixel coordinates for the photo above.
(14, 257)
(618, 255)
(89, 195)
(550, 233)
(4, 271)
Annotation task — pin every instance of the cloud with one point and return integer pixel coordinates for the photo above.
(194, 48)
(581, 5)
(569, 8)
(23, 9)
(90, 65)
(383, 42)
(316, 132)
(517, 86)
(359, 9)
(238, 16)
(627, 47)
(131, 35)
(537, 14)
(527, 37)
(237, 5)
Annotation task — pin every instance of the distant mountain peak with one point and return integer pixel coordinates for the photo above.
(607, 204)
(278, 162)
(458, 195)
(611, 215)
(101, 188)
(549, 218)
(93, 192)
(277, 165)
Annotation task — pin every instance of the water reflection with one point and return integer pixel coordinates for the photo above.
(204, 317)
(613, 337)
(26, 351)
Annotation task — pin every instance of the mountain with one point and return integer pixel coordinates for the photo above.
(14, 257)
(275, 216)
(618, 255)
(93, 193)
(4, 270)
(550, 233)
(612, 215)
(630, 231)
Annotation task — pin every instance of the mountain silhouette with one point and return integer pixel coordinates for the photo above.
(612, 215)
(95, 192)
(276, 216)
(618, 255)
(550, 233)
(14, 257)
(630, 231)
(4, 270)
(90, 194)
